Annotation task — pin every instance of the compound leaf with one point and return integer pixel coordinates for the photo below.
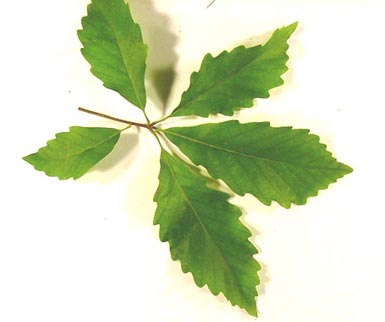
(279, 164)
(205, 234)
(233, 79)
(114, 48)
(71, 154)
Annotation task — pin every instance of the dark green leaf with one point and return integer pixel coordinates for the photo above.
(71, 154)
(205, 234)
(279, 164)
(114, 47)
(233, 79)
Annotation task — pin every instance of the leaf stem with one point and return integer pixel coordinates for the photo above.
(149, 126)
(210, 4)
(146, 117)
(144, 125)
(160, 120)
(153, 131)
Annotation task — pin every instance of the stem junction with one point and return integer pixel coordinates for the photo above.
(149, 126)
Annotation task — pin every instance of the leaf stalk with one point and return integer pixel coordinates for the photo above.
(148, 126)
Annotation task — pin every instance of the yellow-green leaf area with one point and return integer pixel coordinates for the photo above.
(71, 154)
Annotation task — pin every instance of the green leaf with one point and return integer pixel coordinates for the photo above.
(114, 47)
(71, 154)
(233, 79)
(205, 234)
(279, 164)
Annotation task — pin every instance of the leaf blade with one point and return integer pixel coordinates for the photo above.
(205, 234)
(273, 164)
(234, 79)
(71, 154)
(113, 45)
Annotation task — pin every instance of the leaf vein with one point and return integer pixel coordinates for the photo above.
(228, 268)
(115, 34)
(86, 150)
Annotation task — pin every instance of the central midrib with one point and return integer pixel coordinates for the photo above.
(87, 149)
(202, 224)
(251, 156)
(213, 86)
(141, 105)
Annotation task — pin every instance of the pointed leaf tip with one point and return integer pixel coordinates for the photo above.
(204, 232)
(232, 80)
(71, 154)
(113, 45)
(273, 164)
(292, 27)
(281, 37)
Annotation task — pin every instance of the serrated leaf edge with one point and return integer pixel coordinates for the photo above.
(141, 104)
(291, 28)
(312, 193)
(49, 173)
(185, 270)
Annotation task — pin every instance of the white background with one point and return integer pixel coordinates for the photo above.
(87, 250)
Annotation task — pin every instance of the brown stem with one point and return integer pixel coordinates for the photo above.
(147, 126)
(210, 4)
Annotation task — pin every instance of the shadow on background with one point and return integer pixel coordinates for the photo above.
(161, 40)
(113, 164)
(160, 74)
